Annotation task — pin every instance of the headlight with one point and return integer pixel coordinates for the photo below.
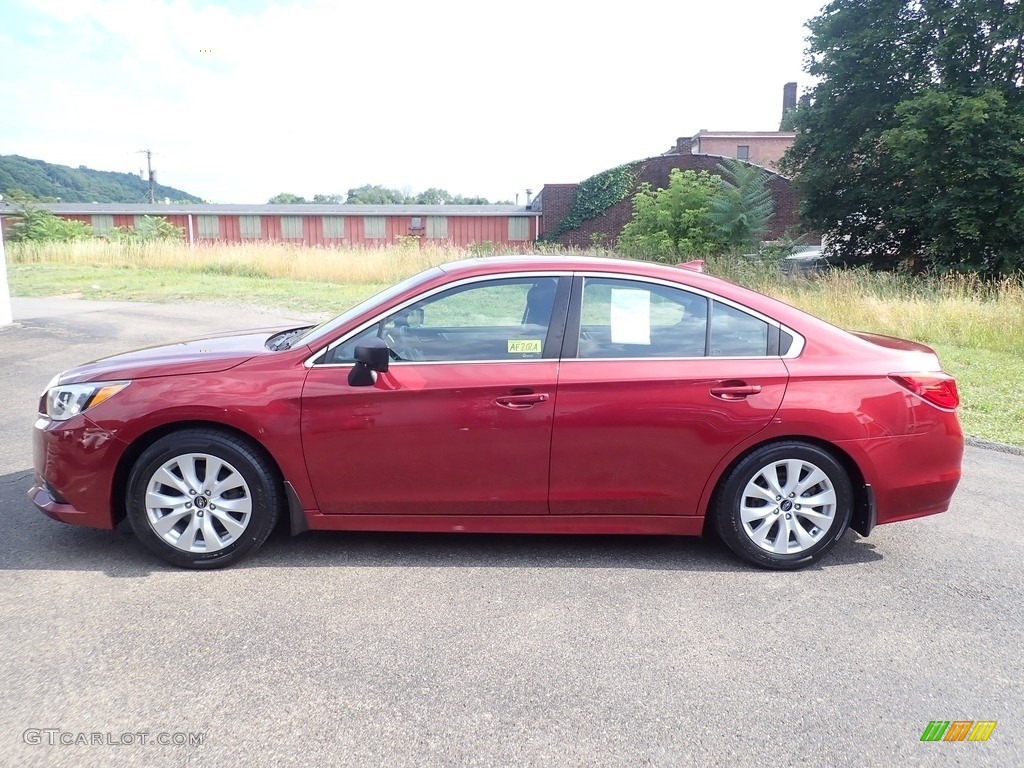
(64, 402)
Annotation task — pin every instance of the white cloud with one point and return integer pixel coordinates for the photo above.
(479, 98)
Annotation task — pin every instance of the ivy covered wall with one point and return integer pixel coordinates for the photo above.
(594, 211)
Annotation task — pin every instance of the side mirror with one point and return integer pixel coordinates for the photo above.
(371, 357)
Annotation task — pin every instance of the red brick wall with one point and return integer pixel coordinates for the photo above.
(556, 199)
(766, 151)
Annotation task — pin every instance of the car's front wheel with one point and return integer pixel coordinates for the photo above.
(202, 498)
(784, 505)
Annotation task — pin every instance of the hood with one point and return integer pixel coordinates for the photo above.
(206, 355)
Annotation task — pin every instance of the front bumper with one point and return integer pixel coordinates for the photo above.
(75, 462)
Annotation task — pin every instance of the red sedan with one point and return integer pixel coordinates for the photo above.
(516, 394)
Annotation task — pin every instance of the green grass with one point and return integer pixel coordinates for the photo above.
(976, 327)
(161, 285)
(991, 387)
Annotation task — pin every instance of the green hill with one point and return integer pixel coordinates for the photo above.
(79, 185)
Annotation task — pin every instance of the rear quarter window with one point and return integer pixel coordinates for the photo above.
(735, 333)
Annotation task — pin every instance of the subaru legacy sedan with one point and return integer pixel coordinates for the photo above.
(530, 394)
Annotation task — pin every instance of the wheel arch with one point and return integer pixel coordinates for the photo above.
(862, 520)
(138, 446)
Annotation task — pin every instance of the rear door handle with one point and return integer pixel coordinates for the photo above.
(735, 390)
(519, 402)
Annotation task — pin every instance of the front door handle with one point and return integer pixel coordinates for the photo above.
(735, 390)
(519, 402)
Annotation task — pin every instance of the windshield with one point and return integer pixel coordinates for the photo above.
(317, 332)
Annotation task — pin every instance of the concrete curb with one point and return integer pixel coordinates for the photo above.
(991, 445)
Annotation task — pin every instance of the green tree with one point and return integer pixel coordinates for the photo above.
(472, 200)
(287, 198)
(434, 196)
(675, 221)
(148, 228)
(34, 223)
(743, 205)
(375, 194)
(908, 152)
(328, 199)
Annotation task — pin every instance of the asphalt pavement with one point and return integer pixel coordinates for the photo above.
(449, 650)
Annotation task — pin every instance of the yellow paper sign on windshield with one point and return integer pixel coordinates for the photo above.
(524, 346)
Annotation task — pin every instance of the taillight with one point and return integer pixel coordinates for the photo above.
(937, 388)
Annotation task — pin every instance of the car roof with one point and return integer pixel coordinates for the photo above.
(574, 262)
(583, 263)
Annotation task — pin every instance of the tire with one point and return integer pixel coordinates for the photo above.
(758, 511)
(202, 499)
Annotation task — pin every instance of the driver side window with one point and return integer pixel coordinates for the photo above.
(346, 351)
(491, 320)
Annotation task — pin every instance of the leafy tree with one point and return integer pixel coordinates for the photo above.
(909, 152)
(148, 228)
(676, 221)
(375, 194)
(329, 199)
(39, 225)
(473, 200)
(743, 206)
(434, 196)
(287, 198)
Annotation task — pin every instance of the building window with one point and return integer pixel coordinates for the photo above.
(334, 227)
(250, 227)
(416, 222)
(209, 226)
(291, 227)
(374, 227)
(137, 221)
(437, 227)
(518, 228)
(742, 152)
(102, 223)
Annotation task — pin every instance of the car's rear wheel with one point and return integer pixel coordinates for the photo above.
(202, 498)
(784, 505)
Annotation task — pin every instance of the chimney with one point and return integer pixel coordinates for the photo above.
(788, 97)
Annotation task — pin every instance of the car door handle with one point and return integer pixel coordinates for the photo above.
(735, 390)
(519, 402)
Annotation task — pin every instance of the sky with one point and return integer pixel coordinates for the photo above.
(242, 100)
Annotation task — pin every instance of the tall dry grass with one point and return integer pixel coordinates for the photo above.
(959, 309)
(962, 310)
(377, 266)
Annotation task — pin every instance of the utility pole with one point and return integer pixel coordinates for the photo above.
(6, 314)
(151, 175)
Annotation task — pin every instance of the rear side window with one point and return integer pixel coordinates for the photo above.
(626, 318)
(734, 333)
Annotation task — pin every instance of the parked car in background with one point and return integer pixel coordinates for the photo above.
(541, 394)
(806, 262)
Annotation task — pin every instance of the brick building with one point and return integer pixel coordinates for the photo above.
(764, 148)
(511, 226)
(702, 152)
(554, 200)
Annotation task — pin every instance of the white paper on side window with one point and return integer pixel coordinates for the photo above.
(631, 316)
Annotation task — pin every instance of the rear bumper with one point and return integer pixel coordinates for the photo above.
(74, 471)
(909, 476)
